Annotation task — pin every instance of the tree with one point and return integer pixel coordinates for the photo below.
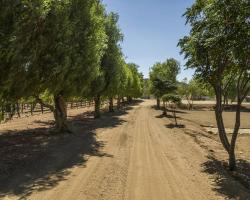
(124, 78)
(53, 51)
(229, 87)
(135, 81)
(112, 59)
(58, 46)
(194, 89)
(162, 87)
(174, 99)
(146, 88)
(107, 82)
(10, 12)
(218, 45)
(163, 78)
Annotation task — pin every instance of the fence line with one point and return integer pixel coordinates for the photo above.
(29, 109)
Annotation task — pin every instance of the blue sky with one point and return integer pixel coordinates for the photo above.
(152, 29)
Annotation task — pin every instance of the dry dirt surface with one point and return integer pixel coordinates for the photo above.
(135, 154)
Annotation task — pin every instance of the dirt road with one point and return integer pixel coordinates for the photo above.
(139, 158)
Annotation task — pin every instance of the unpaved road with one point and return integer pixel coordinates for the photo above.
(141, 159)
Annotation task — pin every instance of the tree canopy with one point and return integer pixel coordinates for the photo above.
(217, 48)
(163, 77)
(52, 51)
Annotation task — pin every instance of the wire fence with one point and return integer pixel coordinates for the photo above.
(20, 110)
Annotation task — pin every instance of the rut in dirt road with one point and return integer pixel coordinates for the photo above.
(141, 159)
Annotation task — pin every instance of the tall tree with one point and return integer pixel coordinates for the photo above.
(164, 74)
(59, 44)
(218, 45)
(106, 83)
(134, 87)
(112, 60)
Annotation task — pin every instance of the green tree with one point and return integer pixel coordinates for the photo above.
(12, 70)
(163, 78)
(146, 88)
(218, 45)
(112, 62)
(173, 99)
(193, 89)
(123, 83)
(134, 87)
(59, 45)
(106, 84)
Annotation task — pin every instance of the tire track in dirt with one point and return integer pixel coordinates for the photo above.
(103, 177)
(142, 160)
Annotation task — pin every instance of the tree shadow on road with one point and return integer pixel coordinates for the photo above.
(172, 125)
(38, 159)
(169, 110)
(232, 185)
(167, 116)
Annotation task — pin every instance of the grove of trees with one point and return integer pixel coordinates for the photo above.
(193, 90)
(53, 51)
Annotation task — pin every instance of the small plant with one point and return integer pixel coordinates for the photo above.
(174, 100)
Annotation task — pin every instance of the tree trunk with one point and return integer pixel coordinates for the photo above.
(232, 160)
(60, 114)
(18, 109)
(31, 109)
(13, 110)
(42, 108)
(111, 105)
(175, 117)
(129, 98)
(158, 103)
(219, 118)
(22, 107)
(97, 100)
(226, 100)
(2, 114)
(118, 103)
(164, 108)
(189, 101)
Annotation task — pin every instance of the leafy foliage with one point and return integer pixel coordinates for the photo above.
(218, 45)
(171, 98)
(52, 51)
(163, 78)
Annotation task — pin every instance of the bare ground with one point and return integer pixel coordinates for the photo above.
(132, 154)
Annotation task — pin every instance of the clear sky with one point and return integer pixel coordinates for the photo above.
(152, 29)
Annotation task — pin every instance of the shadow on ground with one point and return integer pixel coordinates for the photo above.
(38, 159)
(171, 126)
(169, 110)
(232, 185)
(167, 116)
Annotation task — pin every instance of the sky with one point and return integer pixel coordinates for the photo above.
(152, 29)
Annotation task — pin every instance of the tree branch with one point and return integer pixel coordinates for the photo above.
(40, 101)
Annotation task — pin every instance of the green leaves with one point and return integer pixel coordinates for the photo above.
(218, 48)
(163, 77)
(68, 48)
(218, 38)
(171, 98)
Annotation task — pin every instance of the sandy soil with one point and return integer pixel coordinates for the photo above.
(211, 102)
(207, 118)
(133, 155)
